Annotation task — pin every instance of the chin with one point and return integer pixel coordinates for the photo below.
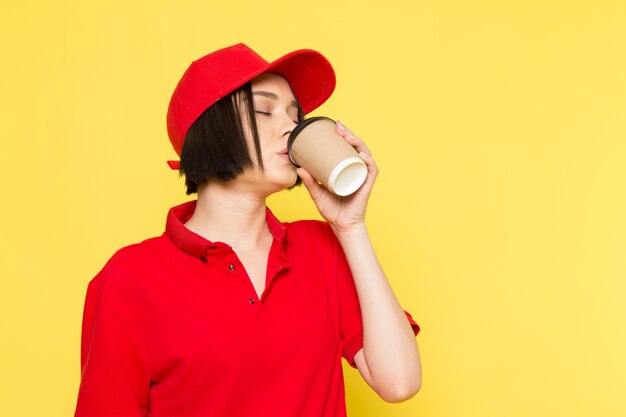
(297, 183)
(287, 184)
(286, 179)
(280, 178)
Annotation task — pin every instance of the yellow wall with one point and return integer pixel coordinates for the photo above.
(500, 212)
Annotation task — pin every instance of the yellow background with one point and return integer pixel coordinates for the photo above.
(500, 213)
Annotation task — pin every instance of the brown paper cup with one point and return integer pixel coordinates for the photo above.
(315, 146)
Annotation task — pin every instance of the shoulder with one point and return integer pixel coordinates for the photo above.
(313, 231)
(309, 227)
(129, 264)
(132, 256)
(315, 238)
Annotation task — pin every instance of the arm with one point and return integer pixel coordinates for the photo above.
(389, 361)
(114, 381)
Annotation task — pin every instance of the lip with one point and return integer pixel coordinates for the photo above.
(284, 154)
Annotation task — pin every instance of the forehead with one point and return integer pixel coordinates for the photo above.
(273, 83)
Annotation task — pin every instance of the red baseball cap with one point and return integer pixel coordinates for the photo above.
(309, 73)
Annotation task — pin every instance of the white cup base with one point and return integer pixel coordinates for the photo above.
(348, 176)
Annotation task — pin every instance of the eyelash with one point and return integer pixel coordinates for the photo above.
(264, 113)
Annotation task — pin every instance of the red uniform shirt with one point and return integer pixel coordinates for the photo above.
(173, 327)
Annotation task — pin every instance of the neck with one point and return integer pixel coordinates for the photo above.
(224, 214)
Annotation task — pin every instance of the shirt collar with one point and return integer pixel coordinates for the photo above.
(197, 245)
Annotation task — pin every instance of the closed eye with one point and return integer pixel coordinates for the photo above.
(265, 113)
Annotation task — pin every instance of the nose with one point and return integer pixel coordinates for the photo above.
(287, 125)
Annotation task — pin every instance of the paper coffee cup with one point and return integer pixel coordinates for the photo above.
(315, 146)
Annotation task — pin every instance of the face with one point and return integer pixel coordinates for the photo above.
(276, 113)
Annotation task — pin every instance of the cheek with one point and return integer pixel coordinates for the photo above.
(266, 144)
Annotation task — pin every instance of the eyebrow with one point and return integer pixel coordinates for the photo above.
(273, 97)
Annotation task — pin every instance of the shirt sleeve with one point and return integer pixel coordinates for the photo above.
(350, 311)
(114, 381)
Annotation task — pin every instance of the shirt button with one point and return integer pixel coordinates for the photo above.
(212, 247)
(251, 300)
(231, 267)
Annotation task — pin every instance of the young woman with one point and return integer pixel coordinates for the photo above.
(231, 312)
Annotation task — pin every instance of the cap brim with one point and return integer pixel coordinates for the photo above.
(310, 75)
